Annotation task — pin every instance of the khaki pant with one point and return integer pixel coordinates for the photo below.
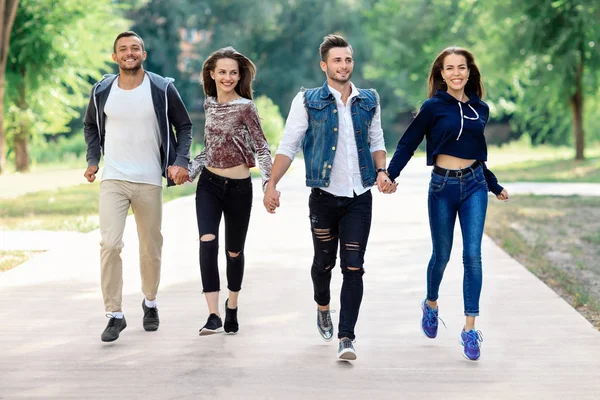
(146, 202)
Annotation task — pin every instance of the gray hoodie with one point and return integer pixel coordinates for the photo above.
(170, 112)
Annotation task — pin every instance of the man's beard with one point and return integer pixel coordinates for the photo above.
(131, 70)
(331, 75)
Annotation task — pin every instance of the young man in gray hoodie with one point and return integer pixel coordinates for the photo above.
(138, 122)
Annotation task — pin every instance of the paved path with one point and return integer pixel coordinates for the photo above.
(554, 189)
(536, 346)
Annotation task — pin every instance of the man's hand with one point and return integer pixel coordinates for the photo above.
(271, 199)
(90, 173)
(178, 175)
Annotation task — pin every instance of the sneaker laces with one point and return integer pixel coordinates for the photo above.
(474, 338)
(325, 318)
(112, 321)
(433, 317)
(152, 312)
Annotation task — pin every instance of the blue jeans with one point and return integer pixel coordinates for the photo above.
(467, 197)
(346, 220)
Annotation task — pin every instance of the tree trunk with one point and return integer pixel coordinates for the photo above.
(8, 11)
(577, 115)
(2, 135)
(22, 152)
(576, 103)
(21, 140)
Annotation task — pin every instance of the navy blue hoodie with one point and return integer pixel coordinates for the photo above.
(451, 127)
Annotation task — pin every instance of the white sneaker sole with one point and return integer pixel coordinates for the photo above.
(347, 354)
(324, 338)
(463, 352)
(207, 332)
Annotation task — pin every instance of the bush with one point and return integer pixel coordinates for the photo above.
(58, 150)
(271, 120)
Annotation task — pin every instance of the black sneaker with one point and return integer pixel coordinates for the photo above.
(346, 350)
(151, 320)
(213, 325)
(113, 329)
(231, 322)
(324, 324)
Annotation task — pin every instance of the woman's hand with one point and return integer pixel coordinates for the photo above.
(503, 195)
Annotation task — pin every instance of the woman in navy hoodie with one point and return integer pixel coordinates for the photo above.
(453, 120)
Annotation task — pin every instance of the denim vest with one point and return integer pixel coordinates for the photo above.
(320, 141)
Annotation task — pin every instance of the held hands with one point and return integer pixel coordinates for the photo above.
(177, 174)
(503, 195)
(90, 173)
(385, 184)
(271, 199)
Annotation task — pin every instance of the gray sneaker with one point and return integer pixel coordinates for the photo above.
(346, 350)
(324, 324)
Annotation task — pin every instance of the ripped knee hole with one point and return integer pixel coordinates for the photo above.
(323, 235)
(207, 238)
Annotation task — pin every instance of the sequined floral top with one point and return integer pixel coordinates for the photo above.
(233, 136)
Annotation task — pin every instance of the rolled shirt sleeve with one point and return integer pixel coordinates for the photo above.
(376, 132)
(295, 128)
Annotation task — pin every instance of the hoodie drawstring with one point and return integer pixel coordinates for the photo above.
(466, 117)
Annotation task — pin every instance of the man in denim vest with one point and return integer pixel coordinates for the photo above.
(338, 128)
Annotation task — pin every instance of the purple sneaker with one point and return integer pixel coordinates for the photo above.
(471, 341)
(429, 322)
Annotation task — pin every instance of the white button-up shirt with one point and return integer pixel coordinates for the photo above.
(345, 179)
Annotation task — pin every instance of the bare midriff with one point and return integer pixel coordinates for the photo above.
(451, 162)
(238, 172)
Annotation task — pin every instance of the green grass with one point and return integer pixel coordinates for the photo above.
(593, 238)
(557, 239)
(10, 259)
(73, 208)
(564, 170)
(520, 162)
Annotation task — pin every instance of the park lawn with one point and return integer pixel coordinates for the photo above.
(516, 162)
(72, 208)
(12, 258)
(562, 170)
(558, 240)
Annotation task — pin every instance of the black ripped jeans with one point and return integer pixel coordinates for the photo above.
(346, 220)
(232, 198)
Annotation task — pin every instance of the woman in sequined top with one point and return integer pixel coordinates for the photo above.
(233, 137)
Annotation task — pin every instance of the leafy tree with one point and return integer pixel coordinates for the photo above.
(539, 59)
(161, 24)
(8, 11)
(62, 46)
(553, 49)
(281, 37)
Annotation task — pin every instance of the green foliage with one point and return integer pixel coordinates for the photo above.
(57, 48)
(550, 40)
(528, 52)
(281, 37)
(61, 149)
(161, 23)
(405, 41)
(271, 120)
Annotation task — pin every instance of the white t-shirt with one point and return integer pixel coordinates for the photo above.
(132, 142)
